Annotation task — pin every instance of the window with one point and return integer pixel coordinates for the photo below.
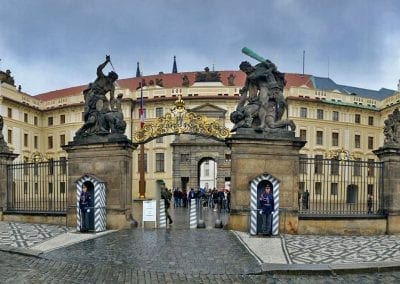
(9, 112)
(36, 188)
(159, 162)
(50, 187)
(62, 119)
(159, 112)
(185, 158)
(370, 189)
(63, 164)
(35, 142)
(334, 167)
(35, 120)
(145, 162)
(335, 139)
(320, 114)
(50, 142)
(371, 167)
(228, 157)
(357, 118)
(9, 136)
(26, 166)
(62, 139)
(318, 164)
(335, 115)
(302, 186)
(25, 117)
(334, 188)
(25, 187)
(370, 143)
(318, 188)
(303, 112)
(50, 164)
(62, 187)
(303, 134)
(160, 139)
(25, 140)
(357, 141)
(319, 137)
(206, 169)
(357, 167)
(50, 121)
(370, 120)
(303, 164)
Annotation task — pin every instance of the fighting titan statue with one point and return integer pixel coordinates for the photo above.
(262, 103)
(102, 116)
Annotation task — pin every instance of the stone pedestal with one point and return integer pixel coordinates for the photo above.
(6, 158)
(112, 163)
(390, 155)
(274, 153)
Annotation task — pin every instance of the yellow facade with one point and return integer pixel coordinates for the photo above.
(329, 121)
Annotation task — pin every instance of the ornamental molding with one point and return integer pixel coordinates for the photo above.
(181, 121)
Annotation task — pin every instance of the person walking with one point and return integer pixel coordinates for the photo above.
(166, 195)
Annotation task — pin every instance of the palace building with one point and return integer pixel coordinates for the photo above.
(335, 120)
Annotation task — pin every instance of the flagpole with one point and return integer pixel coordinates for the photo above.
(142, 181)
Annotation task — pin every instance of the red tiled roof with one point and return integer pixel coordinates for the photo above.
(60, 93)
(172, 80)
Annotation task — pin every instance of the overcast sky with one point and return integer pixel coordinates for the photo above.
(49, 44)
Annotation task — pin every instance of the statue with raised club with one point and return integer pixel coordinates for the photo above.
(262, 103)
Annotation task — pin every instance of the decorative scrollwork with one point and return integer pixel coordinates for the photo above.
(181, 121)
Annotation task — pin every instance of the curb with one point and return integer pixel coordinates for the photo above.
(21, 251)
(268, 268)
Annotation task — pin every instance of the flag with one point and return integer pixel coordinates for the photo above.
(141, 109)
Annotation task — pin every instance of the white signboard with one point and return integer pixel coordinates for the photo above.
(150, 210)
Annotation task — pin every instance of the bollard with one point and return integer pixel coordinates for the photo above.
(163, 217)
(218, 222)
(193, 214)
(200, 223)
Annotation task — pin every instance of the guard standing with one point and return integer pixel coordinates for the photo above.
(267, 207)
(85, 202)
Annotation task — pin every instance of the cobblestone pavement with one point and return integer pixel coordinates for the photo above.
(181, 255)
(27, 235)
(342, 249)
(23, 269)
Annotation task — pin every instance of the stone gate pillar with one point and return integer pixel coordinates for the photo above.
(6, 158)
(254, 154)
(112, 162)
(390, 156)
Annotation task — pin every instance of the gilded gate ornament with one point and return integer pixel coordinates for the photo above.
(181, 121)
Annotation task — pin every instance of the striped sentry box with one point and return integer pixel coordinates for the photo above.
(254, 201)
(99, 202)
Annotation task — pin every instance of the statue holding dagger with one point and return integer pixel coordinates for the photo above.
(262, 103)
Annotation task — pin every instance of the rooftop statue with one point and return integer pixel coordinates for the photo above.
(7, 78)
(391, 129)
(102, 116)
(262, 103)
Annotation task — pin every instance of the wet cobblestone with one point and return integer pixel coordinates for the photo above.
(180, 251)
(23, 269)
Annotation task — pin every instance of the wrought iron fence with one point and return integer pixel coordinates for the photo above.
(38, 187)
(332, 187)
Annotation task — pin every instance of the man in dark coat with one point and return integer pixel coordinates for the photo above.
(267, 208)
(85, 202)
